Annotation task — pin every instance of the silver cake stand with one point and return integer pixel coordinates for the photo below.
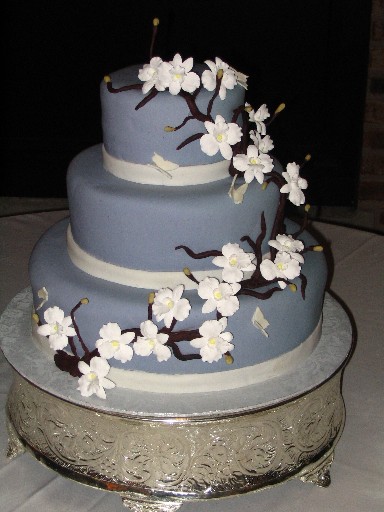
(158, 451)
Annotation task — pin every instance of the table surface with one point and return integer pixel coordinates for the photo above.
(357, 280)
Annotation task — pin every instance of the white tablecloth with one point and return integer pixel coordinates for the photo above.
(358, 470)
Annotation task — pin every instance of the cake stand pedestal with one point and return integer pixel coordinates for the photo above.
(158, 451)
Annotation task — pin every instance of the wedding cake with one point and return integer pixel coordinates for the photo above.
(177, 271)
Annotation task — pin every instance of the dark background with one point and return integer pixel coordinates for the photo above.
(310, 54)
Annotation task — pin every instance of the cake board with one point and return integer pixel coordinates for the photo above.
(158, 451)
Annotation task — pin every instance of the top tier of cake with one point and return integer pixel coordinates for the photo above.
(134, 134)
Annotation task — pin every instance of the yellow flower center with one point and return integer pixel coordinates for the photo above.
(220, 137)
(253, 161)
(115, 343)
(170, 304)
(280, 266)
(92, 376)
(233, 260)
(152, 342)
(217, 294)
(178, 76)
(212, 342)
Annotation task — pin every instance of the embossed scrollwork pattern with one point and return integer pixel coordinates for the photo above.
(192, 458)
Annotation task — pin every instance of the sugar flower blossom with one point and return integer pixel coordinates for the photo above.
(220, 137)
(259, 117)
(168, 305)
(94, 379)
(152, 341)
(263, 144)
(254, 164)
(214, 342)
(234, 261)
(177, 75)
(228, 80)
(286, 243)
(283, 267)
(294, 185)
(220, 296)
(115, 344)
(58, 328)
(151, 74)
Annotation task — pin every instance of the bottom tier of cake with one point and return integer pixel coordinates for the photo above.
(259, 354)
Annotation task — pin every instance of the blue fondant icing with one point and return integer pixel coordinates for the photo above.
(292, 319)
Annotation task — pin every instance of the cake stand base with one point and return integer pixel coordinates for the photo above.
(156, 462)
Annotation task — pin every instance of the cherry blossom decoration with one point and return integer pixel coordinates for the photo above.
(58, 328)
(214, 342)
(94, 379)
(220, 137)
(220, 296)
(177, 75)
(263, 144)
(115, 344)
(234, 261)
(283, 267)
(169, 305)
(152, 341)
(228, 81)
(294, 185)
(286, 243)
(258, 117)
(150, 74)
(254, 164)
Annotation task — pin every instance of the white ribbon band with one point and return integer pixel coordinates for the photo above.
(131, 277)
(170, 175)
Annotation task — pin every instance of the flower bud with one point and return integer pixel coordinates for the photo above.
(156, 22)
(107, 79)
(84, 300)
(35, 318)
(228, 358)
(169, 129)
(220, 74)
(292, 287)
(151, 298)
(318, 248)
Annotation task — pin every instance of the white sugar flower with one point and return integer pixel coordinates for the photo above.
(168, 305)
(294, 184)
(264, 144)
(259, 117)
(152, 342)
(220, 296)
(115, 344)
(151, 74)
(178, 75)
(220, 137)
(93, 379)
(283, 267)
(235, 261)
(254, 164)
(228, 80)
(213, 342)
(286, 243)
(58, 328)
